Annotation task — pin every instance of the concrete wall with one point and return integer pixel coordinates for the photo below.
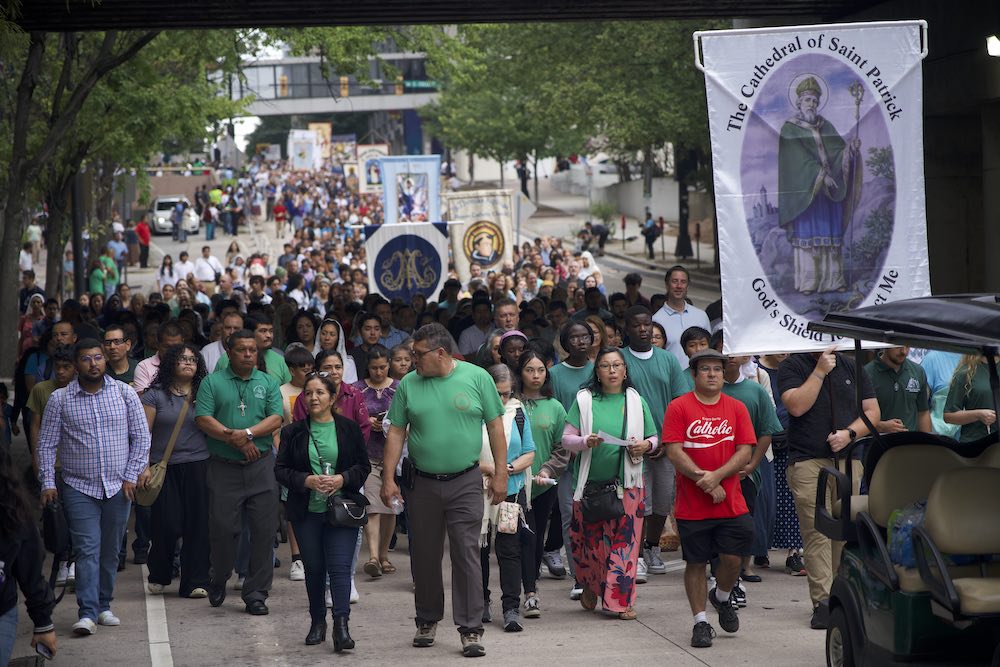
(628, 198)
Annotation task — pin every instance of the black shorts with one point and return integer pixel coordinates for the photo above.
(703, 540)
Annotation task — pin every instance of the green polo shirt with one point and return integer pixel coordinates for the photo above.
(445, 416)
(274, 362)
(220, 395)
(979, 396)
(900, 395)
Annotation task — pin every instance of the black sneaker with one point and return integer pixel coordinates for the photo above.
(794, 565)
(821, 616)
(761, 561)
(702, 635)
(729, 620)
(487, 614)
(738, 596)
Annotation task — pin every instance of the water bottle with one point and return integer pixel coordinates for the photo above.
(396, 505)
(545, 481)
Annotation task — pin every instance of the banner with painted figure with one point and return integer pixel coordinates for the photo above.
(323, 132)
(344, 148)
(819, 174)
(371, 173)
(407, 259)
(412, 188)
(482, 230)
(303, 150)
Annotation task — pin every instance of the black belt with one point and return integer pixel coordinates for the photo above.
(446, 477)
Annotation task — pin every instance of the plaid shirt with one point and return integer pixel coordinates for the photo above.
(102, 438)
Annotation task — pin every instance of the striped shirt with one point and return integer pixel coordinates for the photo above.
(102, 438)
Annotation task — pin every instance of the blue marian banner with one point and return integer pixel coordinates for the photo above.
(407, 259)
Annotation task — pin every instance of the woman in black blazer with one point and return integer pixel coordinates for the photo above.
(320, 456)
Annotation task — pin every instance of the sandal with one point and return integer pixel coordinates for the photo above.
(387, 567)
(373, 569)
(627, 615)
(588, 600)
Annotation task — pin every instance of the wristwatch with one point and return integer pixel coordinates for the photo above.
(250, 434)
(854, 434)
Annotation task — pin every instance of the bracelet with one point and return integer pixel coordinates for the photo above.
(821, 377)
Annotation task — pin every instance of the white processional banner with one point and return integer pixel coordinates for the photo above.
(483, 229)
(817, 150)
(303, 150)
(411, 190)
(407, 259)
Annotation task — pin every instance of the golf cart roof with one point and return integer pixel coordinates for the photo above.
(967, 323)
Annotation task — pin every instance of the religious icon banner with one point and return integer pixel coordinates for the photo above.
(412, 188)
(371, 172)
(482, 229)
(407, 259)
(817, 151)
(303, 150)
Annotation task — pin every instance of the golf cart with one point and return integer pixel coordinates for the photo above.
(946, 610)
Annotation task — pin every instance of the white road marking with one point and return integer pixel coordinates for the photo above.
(156, 626)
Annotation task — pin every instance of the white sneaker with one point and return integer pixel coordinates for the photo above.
(154, 589)
(84, 627)
(71, 574)
(641, 573)
(297, 572)
(355, 596)
(107, 618)
(63, 573)
(654, 563)
(238, 583)
(576, 592)
(329, 599)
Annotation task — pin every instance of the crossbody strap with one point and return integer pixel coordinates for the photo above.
(177, 430)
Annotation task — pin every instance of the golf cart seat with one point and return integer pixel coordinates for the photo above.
(961, 518)
(990, 457)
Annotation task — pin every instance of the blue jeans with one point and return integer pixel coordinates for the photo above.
(326, 555)
(97, 527)
(8, 633)
(209, 231)
(766, 509)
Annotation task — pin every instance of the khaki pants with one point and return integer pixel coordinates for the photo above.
(822, 555)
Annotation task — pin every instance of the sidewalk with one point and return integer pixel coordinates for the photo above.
(563, 214)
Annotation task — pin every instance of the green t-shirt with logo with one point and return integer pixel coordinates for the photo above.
(979, 396)
(567, 380)
(546, 417)
(901, 395)
(273, 361)
(445, 416)
(607, 461)
(221, 394)
(324, 435)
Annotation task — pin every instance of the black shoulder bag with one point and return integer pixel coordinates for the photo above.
(601, 501)
(341, 512)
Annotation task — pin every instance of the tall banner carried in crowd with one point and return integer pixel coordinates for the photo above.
(368, 161)
(819, 174)
(303, 150)
(407, 259)
(323, 132)
(344, 148)
(412, 188)
(486, 230)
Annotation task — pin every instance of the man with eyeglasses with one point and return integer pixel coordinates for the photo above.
(94, 413)
(117, 345)
(444, 405)
(709, 439)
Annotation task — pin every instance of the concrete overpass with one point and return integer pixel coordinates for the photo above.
(294, 85)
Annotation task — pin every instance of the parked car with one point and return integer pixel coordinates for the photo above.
(164, 206)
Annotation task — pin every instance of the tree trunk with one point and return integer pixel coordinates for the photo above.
(58, 201)
(534, 171)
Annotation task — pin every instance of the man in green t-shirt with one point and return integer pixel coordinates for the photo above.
(901, 390)
(117, 346)
(263, 329)
(238, 408)
(63, 372)
(444, 405)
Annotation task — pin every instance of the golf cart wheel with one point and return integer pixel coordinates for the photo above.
(839, 651)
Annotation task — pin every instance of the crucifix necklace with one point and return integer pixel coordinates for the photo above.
(242, 405)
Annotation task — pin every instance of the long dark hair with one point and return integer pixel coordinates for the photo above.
(330, 387)
(292, 336)
(15, 510)
(168, 365)
(594, 383)
(522, 361)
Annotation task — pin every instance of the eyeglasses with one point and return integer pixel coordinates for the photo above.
(504, 394)
(317, 374)
(91, 358)
(419, 355)
(187, 359)
(576, 337)
(617, 366)
(115, 341)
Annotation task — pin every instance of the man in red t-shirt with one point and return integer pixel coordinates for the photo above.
(280, 217)
(709, 437)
